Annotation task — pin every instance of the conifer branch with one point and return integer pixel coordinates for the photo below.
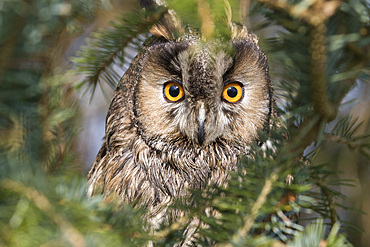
(95, 59)
(330, 203)
(320, 98)
(352, 143)
(70, 233)
(316, 15)
(249, 219)
(344, 133)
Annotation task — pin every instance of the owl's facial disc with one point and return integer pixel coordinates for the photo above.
(196, 93)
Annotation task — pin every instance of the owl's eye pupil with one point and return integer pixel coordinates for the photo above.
(232, 92)
(174, 91)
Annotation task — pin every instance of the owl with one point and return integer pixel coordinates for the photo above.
(181, 117)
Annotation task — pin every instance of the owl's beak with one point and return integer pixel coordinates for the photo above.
(201, 133)
(201, 119)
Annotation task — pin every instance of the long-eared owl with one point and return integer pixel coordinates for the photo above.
(181, 116)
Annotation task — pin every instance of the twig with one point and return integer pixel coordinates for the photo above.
(249, 219)
(95, 77)
(330, 202)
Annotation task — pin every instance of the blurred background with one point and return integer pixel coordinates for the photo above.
(38, 40)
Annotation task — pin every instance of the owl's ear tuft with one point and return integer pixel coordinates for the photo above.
(161, 30)
(239, 31)
(169, 26)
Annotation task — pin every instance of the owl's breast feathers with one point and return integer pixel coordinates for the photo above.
(150, 171)
(155, 150)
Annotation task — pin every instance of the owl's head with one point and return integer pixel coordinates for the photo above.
(195, 91)
(183, 112)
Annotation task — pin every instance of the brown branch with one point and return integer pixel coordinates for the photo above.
(318, 12)
(318, 73)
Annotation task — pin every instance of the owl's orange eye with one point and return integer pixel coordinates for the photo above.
(173, 91)
(232, 92)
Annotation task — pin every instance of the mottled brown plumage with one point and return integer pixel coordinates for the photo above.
(154, 150)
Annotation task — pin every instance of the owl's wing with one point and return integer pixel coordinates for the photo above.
(120, 130)
(95, 174)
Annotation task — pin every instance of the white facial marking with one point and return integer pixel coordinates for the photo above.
(202, 113)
